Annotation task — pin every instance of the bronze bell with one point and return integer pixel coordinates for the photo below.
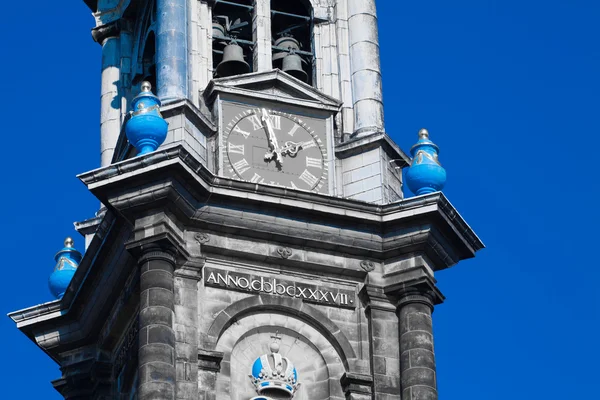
(233, 61)
(218, 31)
(292, 64)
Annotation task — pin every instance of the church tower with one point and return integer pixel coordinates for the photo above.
(253, 240)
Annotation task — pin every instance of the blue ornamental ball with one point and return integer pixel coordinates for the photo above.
(425, 174)
(67, 261)
(146, 129)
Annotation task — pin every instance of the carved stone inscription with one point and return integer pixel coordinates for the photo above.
(278, 287)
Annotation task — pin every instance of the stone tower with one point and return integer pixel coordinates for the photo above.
(265, 247)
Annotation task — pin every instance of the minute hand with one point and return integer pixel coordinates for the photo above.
(272, 138)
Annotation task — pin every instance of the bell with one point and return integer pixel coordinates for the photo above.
(287, 42)
(218, 31)
(233, 61)
(292, 64)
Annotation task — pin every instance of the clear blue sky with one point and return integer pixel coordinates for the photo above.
(508, 89)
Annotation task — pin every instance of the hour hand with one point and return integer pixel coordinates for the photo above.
(291, 148)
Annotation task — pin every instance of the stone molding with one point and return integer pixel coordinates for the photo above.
(301, 93)
(156, 254)
(356, 383)
(209, 360)
(374, 297)
(103, 32)
(439, 229)
(283, 305)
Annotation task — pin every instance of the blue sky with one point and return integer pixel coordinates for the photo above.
(508, 89)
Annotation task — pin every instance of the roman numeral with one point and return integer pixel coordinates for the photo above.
(236, 148)
(309, 178)
(309, 144)
(314, 162)
(293, 130)
(241, 131)
(256, 178)
(255, 121)
(275, 121)
(241, 166)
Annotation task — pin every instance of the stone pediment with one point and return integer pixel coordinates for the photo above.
(273, 85)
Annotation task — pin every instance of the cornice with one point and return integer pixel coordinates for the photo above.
(172, 177)
(254, 84)
(364, 144)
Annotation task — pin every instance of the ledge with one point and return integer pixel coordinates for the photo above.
(363, 144)
(173, 177)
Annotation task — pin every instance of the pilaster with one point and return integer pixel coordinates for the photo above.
(261, 35)
(384, 341)
(209, 365)
(186, 328)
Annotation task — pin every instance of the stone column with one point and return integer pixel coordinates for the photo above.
(110, 94)
(157, 337)
(261, 35)
(171, 50)
(417, 359)
(367, 96)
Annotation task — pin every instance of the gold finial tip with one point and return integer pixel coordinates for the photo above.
(69, 242)
(423, 134)
(146, 86)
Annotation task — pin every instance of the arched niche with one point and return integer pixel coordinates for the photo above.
(317, 362)
(296, 308)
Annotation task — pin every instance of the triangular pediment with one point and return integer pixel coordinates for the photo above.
(275, 85)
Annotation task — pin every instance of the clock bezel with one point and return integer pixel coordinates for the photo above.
(310, 117)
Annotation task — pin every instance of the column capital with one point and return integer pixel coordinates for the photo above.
(163, 243)
(422, 290)
(209, 360)
(103, 32)
(156, 252)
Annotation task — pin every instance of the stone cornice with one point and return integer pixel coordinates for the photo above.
(363, 144)
(250, 85)
(171, 177)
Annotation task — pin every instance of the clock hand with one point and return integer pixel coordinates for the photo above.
(276, 152)
(291, 148)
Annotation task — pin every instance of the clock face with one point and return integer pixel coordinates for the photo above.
(274, 148)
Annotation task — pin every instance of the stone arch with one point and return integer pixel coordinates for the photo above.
(319, 365)
(286, 306)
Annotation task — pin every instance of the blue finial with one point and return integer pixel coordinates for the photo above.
(67, 261)
(425, 174)
(146, 129)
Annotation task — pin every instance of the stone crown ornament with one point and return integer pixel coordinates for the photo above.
(274, 375)
(67, 261)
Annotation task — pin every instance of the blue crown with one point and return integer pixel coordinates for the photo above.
(274, 373)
